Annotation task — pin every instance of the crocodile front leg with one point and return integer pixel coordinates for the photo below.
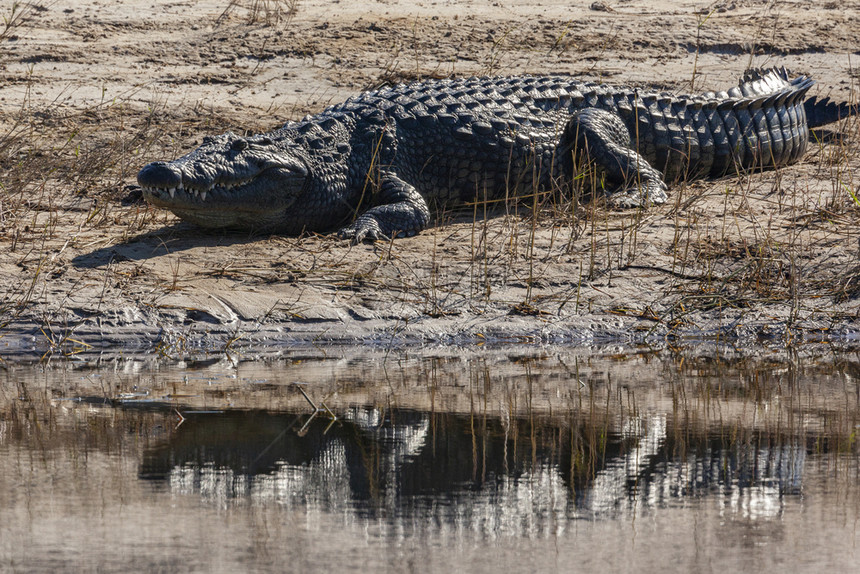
(602, 137)
(400, 212)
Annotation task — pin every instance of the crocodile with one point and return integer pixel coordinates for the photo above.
(373, 166)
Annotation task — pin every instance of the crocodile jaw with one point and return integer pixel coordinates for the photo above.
(227, 182)
(256, 203)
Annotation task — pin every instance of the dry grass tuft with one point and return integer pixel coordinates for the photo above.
(268, 12)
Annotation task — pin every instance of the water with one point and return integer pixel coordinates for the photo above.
(515, 460)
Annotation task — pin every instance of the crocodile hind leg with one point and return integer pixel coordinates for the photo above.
(400, 211)
(602, 137)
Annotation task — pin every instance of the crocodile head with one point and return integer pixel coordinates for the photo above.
(229, 181)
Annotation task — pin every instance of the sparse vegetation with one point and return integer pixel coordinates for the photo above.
(269, 12)
(17, 14)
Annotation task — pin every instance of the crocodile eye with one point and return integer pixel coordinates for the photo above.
(239, 144)
(265, 141)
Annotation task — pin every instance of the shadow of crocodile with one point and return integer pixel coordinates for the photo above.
(169, 239)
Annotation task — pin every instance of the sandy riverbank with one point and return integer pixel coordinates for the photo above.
(90, 92)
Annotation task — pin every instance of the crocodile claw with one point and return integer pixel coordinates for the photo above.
(361, 230)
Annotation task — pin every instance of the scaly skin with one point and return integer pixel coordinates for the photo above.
(373, 166)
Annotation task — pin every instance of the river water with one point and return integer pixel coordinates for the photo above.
(514, 459)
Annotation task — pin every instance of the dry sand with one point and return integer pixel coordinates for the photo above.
(90, 91)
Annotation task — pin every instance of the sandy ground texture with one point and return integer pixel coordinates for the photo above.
(90, 91)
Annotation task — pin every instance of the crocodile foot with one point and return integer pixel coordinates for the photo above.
(649, 192)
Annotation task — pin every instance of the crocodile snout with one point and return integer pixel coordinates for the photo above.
(159, 174)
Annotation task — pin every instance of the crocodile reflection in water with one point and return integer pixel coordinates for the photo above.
(497, 474)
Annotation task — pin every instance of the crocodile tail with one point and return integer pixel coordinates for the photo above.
(824, 111)
(762, 81)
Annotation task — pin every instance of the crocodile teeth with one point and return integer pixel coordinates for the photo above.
(172, 192)
(228, 185)
(203, 196)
